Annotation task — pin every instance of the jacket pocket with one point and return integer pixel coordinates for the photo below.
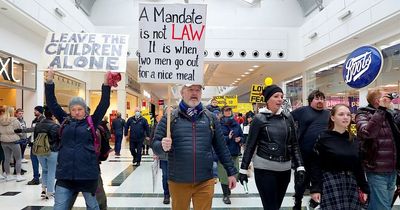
(273, 146)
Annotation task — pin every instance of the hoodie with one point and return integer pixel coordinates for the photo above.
(7, 127)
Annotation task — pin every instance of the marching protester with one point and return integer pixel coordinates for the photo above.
(272, 137)
(194, 132)
(336, 169)
(311, 121)
(233, 137)
(117, 128)
(77, 167)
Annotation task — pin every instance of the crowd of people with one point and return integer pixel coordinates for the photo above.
(340, 168)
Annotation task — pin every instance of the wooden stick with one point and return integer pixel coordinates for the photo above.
(169, 112)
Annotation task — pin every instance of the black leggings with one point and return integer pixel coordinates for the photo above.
(272, 187)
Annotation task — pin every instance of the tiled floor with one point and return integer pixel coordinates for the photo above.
(129, 188)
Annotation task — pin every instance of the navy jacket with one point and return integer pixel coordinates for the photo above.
(138, 129)
(77, 159)
(228, 125)
(51, 128)
(117, 126)
(191, 159)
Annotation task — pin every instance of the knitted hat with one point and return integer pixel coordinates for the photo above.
(270, 90)
(39, 109)
(77, 101)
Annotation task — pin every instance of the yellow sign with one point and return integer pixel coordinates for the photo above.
(244, 108)
(220, 100)
(232, 102)
(256, 94)
(146, 114)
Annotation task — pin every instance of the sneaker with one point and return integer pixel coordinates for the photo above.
(43, 194)
(2, 177)
(10, 178)
(49, 195)
(24, 160)
(20, 178)
(34, 182)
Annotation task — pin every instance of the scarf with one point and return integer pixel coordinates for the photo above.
(192, 112)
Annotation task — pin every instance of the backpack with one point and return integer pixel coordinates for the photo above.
(175, 115)
(99, 138)
(41, 145)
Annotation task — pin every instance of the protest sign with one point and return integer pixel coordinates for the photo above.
(85, 51)
(171, 43)
(256, 94)
(244, 107)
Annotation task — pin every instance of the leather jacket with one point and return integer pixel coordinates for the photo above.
(274, 136)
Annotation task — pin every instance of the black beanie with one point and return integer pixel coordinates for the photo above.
(270, 90)
(39, 109)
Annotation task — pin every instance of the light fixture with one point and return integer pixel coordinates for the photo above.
(238, 79)
(345, 15)
(255, 66)
(59, 12)
(313, 35)
(242, 75)
(251, 69)
(246, 72)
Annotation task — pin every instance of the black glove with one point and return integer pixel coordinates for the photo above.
(242, 178)
(18, 130)
(299, 177)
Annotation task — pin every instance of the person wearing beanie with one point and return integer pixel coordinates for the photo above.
(77, 167)
(272, 138)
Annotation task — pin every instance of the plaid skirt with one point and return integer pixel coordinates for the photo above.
(339, 191)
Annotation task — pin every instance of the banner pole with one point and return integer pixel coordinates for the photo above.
(169, 112)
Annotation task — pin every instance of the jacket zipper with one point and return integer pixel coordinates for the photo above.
(194, 151)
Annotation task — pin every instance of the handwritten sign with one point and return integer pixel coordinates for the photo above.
(85, 51)
(256, 94)
(171, 43)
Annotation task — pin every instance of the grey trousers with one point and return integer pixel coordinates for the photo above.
(14, 150)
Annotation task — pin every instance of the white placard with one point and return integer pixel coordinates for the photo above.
(171, 43)
(85, 52)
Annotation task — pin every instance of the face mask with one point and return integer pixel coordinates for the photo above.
(137, 114)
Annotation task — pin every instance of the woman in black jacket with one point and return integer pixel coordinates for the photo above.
(336, 171)
(272, 137)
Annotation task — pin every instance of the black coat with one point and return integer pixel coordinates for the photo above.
(51, 128)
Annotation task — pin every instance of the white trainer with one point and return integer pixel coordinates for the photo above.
(20, 178)
(24, 160)
(10, 178)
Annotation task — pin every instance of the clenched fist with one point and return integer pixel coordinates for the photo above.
(166, 144)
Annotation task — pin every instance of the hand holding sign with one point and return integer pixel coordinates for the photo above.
(50, 75)
(112, 79)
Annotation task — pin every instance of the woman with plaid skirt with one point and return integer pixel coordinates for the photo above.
(336, 171)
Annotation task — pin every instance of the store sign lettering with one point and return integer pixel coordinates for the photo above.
(362, 67)
(7, 69)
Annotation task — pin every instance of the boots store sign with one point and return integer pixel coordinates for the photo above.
(362, 66)
(7, 70)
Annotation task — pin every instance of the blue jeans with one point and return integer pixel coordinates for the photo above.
(382, 187)
(49, 164)
(64, 195)
(35, 166)
(118, 141)
(164, 169)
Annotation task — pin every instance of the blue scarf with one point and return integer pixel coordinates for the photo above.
(192, 112)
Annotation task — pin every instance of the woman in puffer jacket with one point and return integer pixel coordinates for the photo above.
(8, 123)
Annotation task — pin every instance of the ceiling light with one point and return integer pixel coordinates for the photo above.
(3, 8)
(255, 66)
(238, 79)
(59, 12)
(246, 72)
(242, 75)
(251, 69)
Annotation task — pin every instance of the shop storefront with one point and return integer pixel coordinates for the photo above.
(16, 76)
(66, 88)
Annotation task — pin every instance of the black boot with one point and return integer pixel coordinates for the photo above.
(166, 199)
(227, 192)
(297, 204)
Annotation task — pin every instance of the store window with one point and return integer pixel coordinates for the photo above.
(17, 72)
(66, 88)
(294, 91)
(328, 79)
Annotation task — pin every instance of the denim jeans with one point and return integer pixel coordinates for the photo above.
(164, 169)
(64, 195)
(382, 187)
(35, 166)
(49, 164)
(118, 141)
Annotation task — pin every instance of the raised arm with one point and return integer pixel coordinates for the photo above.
(51, 99)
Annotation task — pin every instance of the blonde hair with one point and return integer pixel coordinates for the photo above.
(9, 112)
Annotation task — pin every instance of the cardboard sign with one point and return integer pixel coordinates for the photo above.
(244, 108)
(85, 52)
(256, 94)
(171, 43)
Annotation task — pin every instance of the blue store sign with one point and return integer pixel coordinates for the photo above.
(362, 66)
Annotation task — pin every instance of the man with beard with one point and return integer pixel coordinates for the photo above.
(311, 121)
(138, 131)
(195, 131)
